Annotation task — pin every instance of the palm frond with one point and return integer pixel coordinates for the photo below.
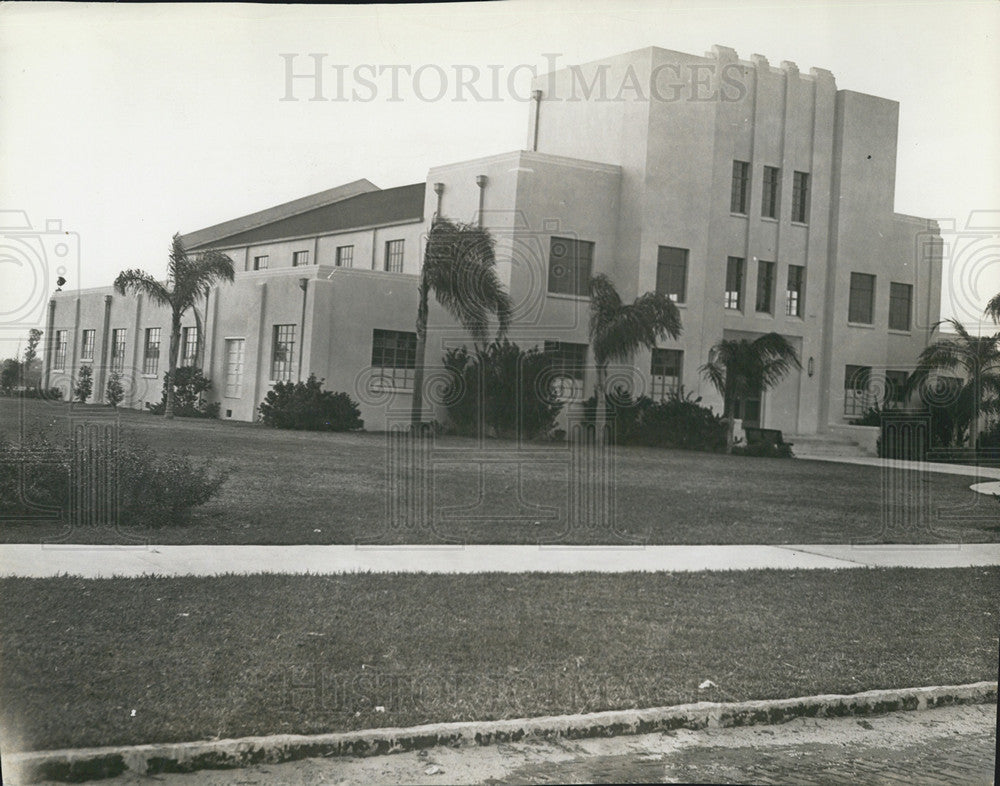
(141, 282)
(617, 330)
(993, 308)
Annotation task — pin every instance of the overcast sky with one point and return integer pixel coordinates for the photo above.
(131, 122)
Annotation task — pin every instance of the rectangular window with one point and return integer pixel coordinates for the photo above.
(800, 197)
(569, 361)
(118, 337)
(234, 367)
(87, 345)
(671, 272)
(734, 283)
(665, 370)
(151, 351)
(794, 291)
(772, 184)
(900, 306)
(765, 287)
(345, 256)
(300, 259)
(282, 353)
(895, 387)
(260, 263)
(862, 299)
(394, 256)
(857, 399)
(189, 346)
(741, 187)
(394, 358)
(62, 342)
(570, 264)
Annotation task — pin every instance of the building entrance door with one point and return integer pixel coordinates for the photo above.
(747, 409)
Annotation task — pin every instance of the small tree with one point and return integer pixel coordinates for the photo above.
(114, 392)
(10, 375)
(738, 368)
(84, 384)
(31, 370)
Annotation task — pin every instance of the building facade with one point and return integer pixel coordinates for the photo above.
(758, 198)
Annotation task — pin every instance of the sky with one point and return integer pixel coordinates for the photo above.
(128, 123)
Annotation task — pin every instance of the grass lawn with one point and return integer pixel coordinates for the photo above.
(88, 662)
(299, 487)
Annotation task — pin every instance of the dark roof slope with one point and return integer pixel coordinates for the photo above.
(388, 206)
(210, 234)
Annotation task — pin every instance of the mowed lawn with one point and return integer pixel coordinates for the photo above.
(107, 661)
(300, 487)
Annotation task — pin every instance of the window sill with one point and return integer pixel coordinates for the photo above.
(734, 312)
(769, 219)
(864, 325)
(799, 223)
(763, 314)
(150, 376)
(898, 332)
(739, 215)
(564, 296)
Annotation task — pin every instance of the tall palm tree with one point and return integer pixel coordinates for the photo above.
(460, 269)
(976, 358)
(993, 308)
(188, 279)
(618, 330)
(739, 368)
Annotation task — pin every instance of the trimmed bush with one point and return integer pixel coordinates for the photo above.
(84, 384)
(114, 392)
(679, 421)
(189, 395)
(503, 388)
(153, 490)
(305, 406)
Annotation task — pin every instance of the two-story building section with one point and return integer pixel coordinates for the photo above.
(758, 198)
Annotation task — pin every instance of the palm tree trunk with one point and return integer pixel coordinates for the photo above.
(600, 411)
(175, 341)
(730, 425)
(416, 412)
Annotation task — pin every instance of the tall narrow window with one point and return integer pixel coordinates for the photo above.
(772, 184)
(765, 287)
(734, 283)
(118, 337)
(260, 263)
(800, 197)
(282, 353)
(394, 256)
(300, 259)
(794, 291)
(62, 342)
(665, 370)
(394, 358)
(345, 256)
(895, 388)
(87, 345)
(900, 306)
(189, 346)
(570, 263)
(569, 361)
(151, 351)
(861, 307)
(234, 367)
(671, 272)
(857, 399)
(741, 187)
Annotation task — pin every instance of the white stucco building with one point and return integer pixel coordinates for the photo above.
(757, 197)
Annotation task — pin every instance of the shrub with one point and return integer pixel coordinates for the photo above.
(503, 388)
(679, 421)
(84, 384)
(114, 392)
(306, 406)
(152, 490)
(189, 395)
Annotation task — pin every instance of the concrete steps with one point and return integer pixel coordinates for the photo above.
(806, 445)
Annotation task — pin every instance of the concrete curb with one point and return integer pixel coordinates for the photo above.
(90, 763)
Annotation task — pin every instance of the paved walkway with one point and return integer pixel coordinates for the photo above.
(983, 473)
(103, 561)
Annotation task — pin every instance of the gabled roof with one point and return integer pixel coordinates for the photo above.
(355, 205)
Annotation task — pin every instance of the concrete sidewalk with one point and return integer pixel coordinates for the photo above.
(34, 560)
(983, 473)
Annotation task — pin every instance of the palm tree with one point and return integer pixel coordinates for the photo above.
(460, 268)
(993, 308)
(976, 358)
(617, 330)
(188, 279)
(739, 368)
